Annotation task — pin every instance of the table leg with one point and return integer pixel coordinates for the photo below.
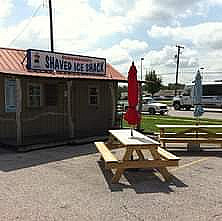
(163, 171)
(120, 170)
(117, 175)
(110, 141)
(140, 154)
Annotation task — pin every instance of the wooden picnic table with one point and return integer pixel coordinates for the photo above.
(191, 134)
(190, 126)
(137, 143)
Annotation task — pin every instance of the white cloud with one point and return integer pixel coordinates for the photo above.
(164, 62)
(79, 28)
(215, 2)
(76, 28)
(163, 10)
(133, 45)
(116, 7)
(26, 38)
(5, 8)
(121, 55)
(208, 35)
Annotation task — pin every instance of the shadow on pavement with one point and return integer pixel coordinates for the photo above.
(202, 153)
(10, 160)
(142, 181)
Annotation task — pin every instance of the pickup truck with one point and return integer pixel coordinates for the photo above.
(153, 107)
(149, 105)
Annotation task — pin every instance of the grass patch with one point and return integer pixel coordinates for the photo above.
(149, 122)
(170, 102)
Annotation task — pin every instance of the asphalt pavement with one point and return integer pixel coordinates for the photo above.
(69, 183)
(210, 113)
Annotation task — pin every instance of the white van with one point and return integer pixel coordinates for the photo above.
(212, 96)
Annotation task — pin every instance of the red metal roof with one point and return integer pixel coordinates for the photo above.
(13, 62)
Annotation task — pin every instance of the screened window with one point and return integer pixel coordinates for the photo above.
(34, 95)
(10, 95)
(93, 96)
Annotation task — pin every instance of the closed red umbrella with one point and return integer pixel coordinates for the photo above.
(132, 116)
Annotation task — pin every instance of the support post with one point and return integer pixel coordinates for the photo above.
(112, 90)
(18, 111)
(70, 120)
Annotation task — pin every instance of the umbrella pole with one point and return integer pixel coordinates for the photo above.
(198, 120)
(131, 157)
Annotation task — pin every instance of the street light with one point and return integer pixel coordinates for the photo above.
(141, 68)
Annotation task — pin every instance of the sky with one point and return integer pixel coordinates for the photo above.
(123, 31)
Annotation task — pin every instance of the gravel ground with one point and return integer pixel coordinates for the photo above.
(69, 183)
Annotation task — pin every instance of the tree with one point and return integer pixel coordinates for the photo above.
(153, 82)
(174, 86)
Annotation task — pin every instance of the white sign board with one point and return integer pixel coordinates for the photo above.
(49, 61)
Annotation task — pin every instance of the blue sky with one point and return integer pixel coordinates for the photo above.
(123, 31)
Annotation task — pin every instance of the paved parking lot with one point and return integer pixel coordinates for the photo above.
(209, 113)
(69, 183)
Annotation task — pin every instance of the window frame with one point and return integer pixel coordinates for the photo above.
(40, 95)
(92, 95)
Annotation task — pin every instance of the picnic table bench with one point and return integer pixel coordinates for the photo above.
(191, 134)
(137, 143)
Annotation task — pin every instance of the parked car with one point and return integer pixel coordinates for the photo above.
(123, 105)
(153, 107)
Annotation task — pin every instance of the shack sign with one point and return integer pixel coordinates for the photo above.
(53, 61)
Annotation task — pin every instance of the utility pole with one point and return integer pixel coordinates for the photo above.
(51, 26)
(178, 61)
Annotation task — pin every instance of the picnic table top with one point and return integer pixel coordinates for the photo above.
(189, 126)
(138, 139)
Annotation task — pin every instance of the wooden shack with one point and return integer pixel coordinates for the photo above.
(55, 99)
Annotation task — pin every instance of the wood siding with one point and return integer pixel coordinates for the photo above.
(51, 122)
(91, 120)
(48, 120)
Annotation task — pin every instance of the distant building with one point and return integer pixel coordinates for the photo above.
(167, 93)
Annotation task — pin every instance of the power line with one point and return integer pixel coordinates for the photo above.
(26, 26)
